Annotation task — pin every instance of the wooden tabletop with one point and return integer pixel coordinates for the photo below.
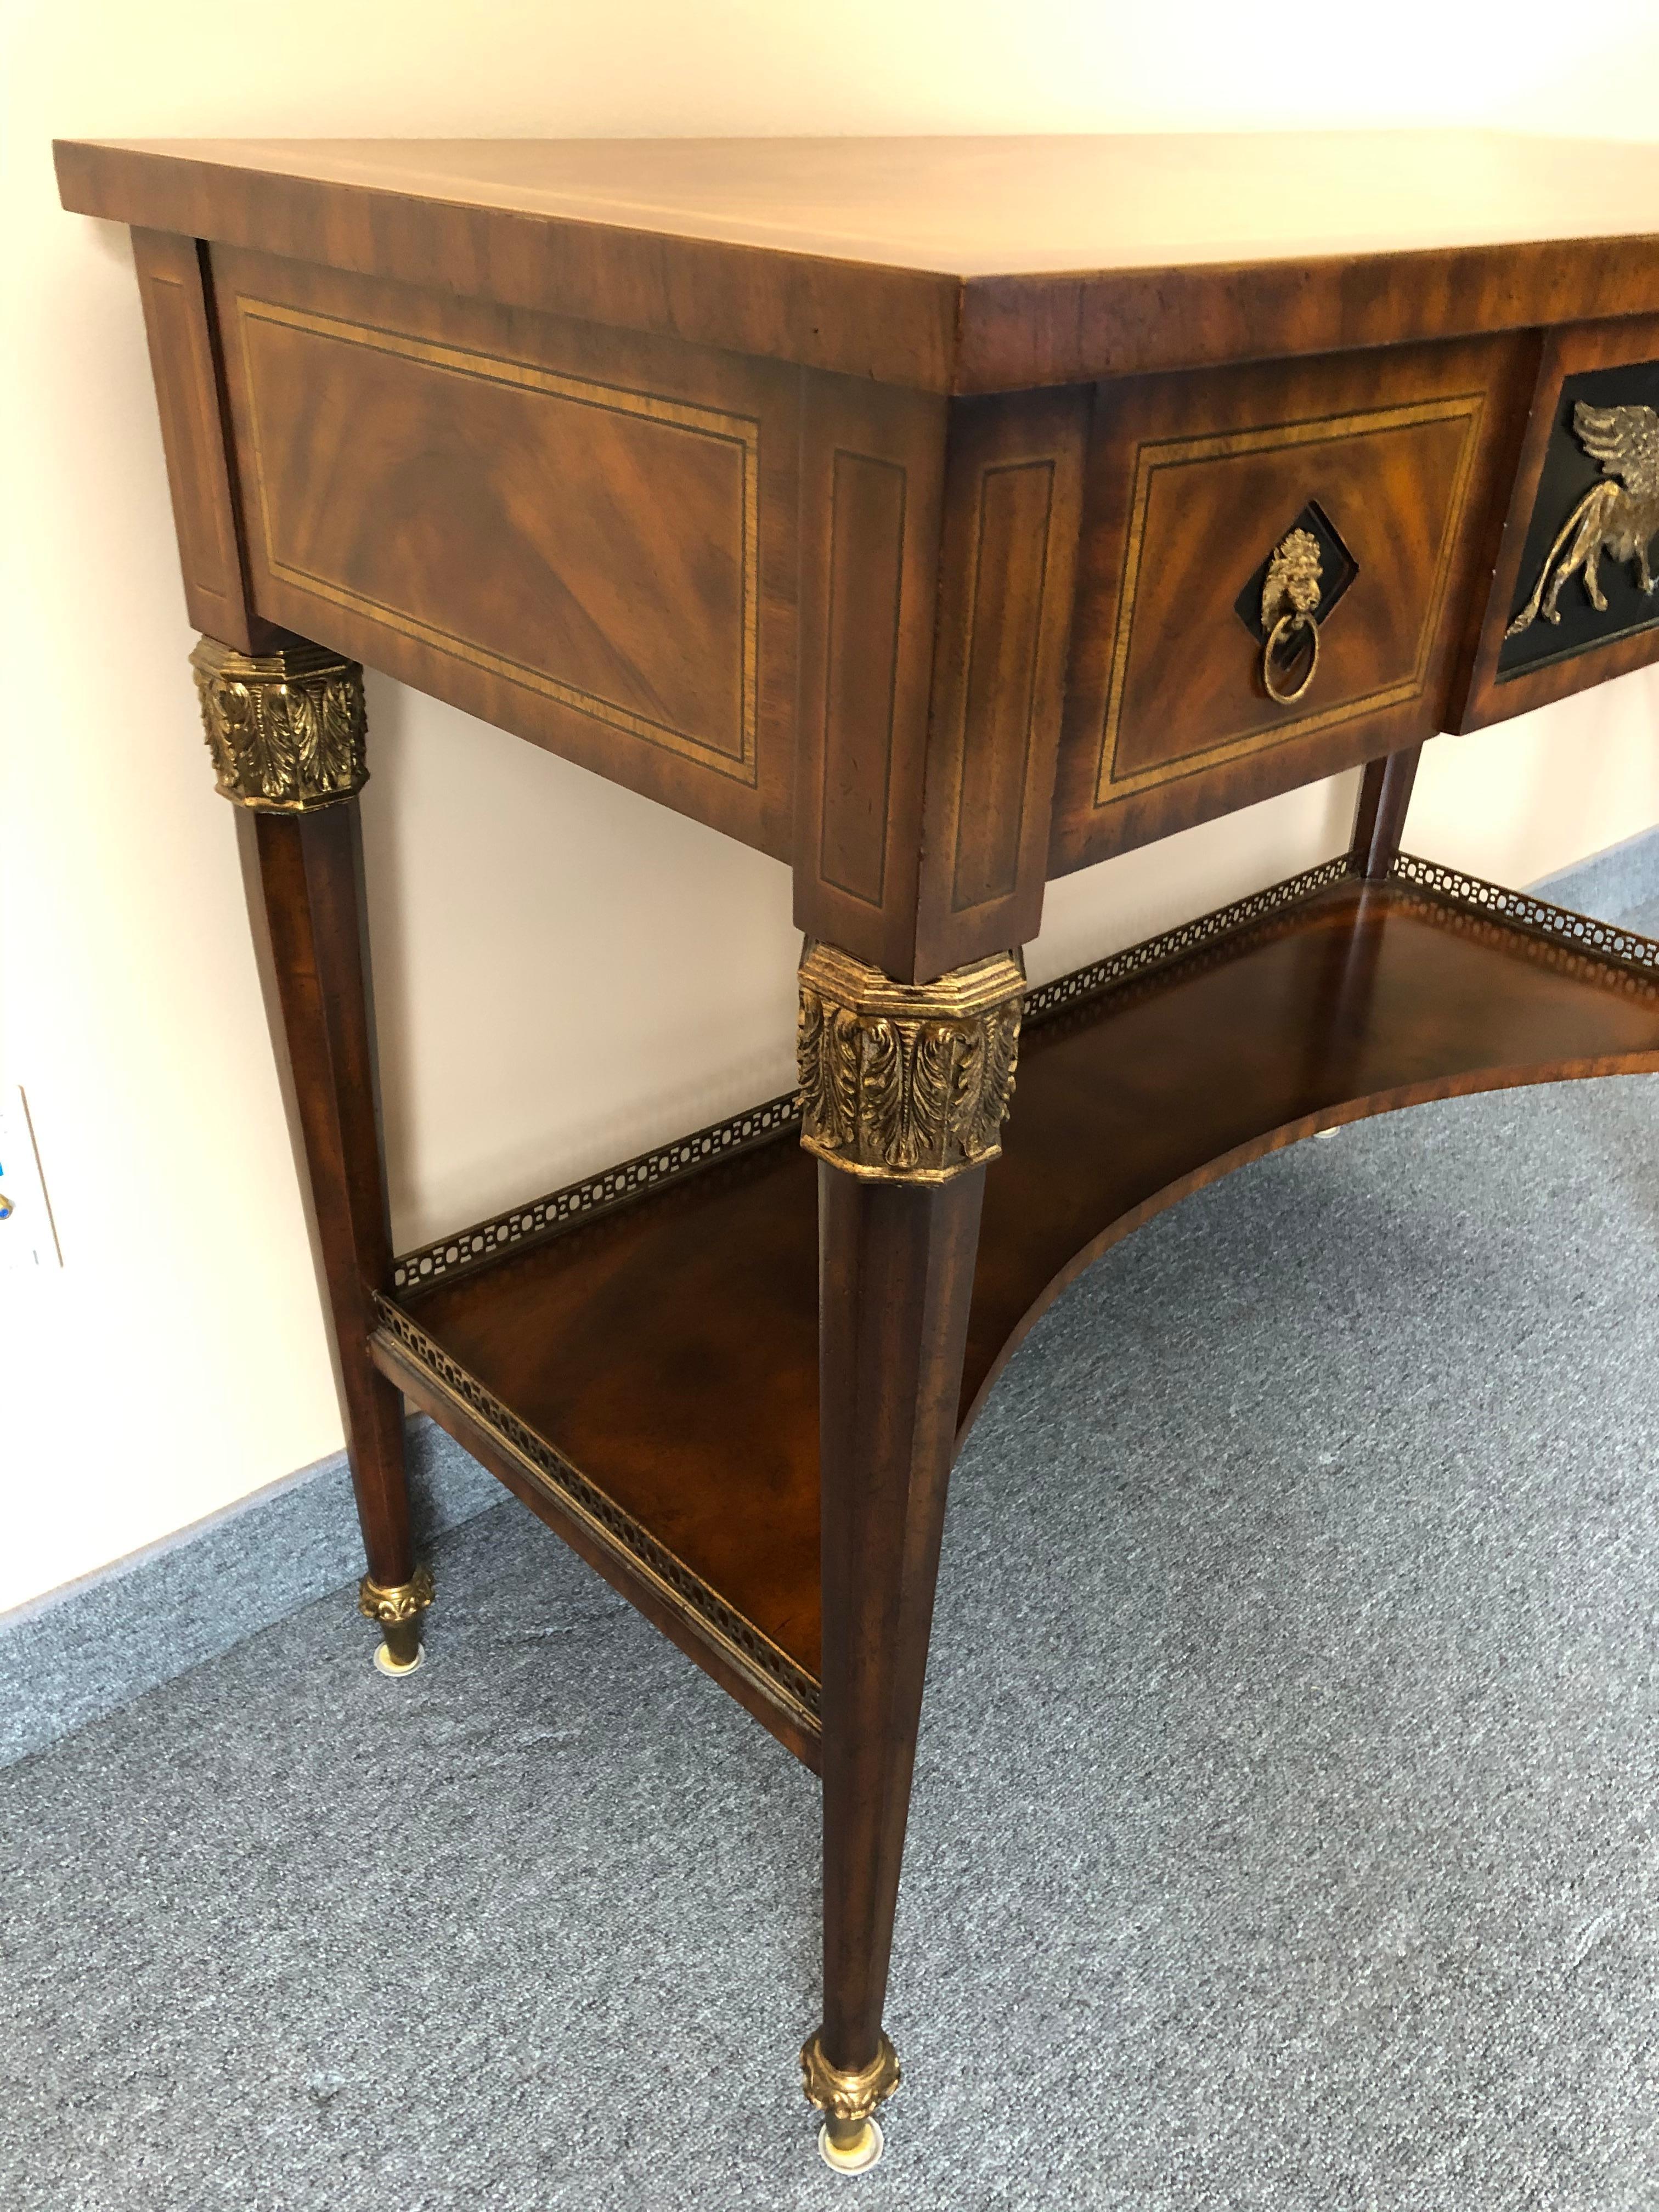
(955, 264)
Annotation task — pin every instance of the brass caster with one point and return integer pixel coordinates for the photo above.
(850, 2140)
(388, 1663)
(861, 2147)
(397, 1608)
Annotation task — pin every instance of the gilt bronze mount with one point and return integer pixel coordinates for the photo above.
(1618, 518)
(850, 2138)
(906, 1082)
(286, 729)
(1290, 607)
(398, 1606)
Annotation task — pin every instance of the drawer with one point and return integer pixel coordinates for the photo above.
(1574, 599)
(1375, 475)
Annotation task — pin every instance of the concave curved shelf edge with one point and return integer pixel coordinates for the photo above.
(636, 1356)
(1399, 1100)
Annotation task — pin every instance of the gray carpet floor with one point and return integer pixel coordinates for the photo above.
(1284, 1830)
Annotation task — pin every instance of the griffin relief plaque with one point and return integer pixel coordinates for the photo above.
(1588, 572)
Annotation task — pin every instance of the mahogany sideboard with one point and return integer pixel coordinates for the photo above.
(937, 516)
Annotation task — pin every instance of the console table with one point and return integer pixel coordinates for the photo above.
(937, 516)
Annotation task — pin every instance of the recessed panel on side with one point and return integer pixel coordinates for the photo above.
(580, 534)
(1008, 569)
(872, 469)
(173, 285)
(937, 560)
(867, 500)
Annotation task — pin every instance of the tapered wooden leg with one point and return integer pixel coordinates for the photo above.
(286, 732)
(904, 1090)
(895, 1276)
(1335, 1048)
(1385, 794)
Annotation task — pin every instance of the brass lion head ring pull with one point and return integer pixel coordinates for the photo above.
(1283, 643)
(1290, 599)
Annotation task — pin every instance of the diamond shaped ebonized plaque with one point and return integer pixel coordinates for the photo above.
(1337, 570)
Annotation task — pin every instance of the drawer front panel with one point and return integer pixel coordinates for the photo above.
(1186, 691)
(587, 538)
(1576, 596)
(1385, 462)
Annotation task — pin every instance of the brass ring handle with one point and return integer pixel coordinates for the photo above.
(1288, 626)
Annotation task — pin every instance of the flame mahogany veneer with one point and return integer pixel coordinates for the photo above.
(669, 1348)
(918, 511)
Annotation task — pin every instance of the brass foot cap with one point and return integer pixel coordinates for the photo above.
(858, 2156)
(850, 2140)
(395, 1603)
(389, 1663)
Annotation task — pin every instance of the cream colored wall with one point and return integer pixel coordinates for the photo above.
(566, 972)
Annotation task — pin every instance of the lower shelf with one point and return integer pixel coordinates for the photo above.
(637, 1355)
